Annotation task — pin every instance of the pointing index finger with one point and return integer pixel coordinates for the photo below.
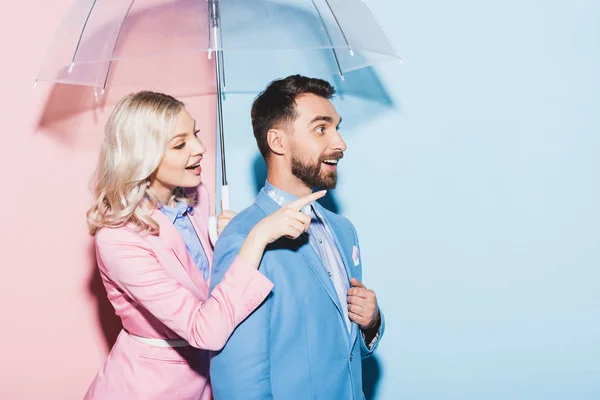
(303, 201)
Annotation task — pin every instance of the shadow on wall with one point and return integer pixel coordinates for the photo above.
(371, 374)
(110, 323)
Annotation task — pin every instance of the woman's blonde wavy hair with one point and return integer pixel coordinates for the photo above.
(136, 137)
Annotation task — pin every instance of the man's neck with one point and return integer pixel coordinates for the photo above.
(288, 183)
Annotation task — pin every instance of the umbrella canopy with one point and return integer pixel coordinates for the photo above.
(103, 43)
(96, 36)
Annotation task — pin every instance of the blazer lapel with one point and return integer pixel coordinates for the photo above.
(344, 247)
(171, 236)
(305, 250)
(316, 265)
(198, 222)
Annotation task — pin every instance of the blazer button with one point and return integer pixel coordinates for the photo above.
(350, 357)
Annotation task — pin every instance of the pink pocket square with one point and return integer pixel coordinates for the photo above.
(355, 256)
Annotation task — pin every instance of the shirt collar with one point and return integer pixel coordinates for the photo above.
(179, 211)
(282, 197)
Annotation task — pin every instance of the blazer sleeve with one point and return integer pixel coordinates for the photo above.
(367, 349)
(242, 369)
(128, 260)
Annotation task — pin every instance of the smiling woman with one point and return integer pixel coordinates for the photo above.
(155, 258)
(180, 166)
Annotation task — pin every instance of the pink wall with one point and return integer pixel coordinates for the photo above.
(57, 326)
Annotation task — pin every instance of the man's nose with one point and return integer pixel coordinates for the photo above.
(338, 143)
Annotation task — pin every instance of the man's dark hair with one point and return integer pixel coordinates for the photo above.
(276, 105)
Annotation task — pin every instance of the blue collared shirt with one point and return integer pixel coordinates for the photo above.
(179, 217)
(323, 242)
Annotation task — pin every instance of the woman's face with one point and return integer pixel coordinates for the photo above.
(180, 166)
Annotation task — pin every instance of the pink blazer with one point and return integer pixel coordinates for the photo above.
(159, 292)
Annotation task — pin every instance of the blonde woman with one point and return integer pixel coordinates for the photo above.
(149, 219)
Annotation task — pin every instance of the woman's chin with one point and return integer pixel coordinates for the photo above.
(191, 183)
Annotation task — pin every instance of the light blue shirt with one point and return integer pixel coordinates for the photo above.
(323, 242)
(179, 217)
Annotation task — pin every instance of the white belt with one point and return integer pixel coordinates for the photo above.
(161, 342)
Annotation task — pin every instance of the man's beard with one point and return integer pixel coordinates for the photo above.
(312, 175)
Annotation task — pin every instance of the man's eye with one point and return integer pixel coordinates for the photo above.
(180, 146)
(320, 129)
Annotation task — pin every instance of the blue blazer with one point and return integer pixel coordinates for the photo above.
(296, 344)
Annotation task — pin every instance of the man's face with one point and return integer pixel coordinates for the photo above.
(315, 143)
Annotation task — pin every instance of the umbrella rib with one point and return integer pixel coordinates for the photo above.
(115, 46)
(340, 27)
(337, 61)
(81, 36)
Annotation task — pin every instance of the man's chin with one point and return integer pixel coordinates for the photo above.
(328, 183)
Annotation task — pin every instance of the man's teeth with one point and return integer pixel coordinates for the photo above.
(332, 162)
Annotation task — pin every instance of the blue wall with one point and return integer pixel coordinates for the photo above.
(472, 178)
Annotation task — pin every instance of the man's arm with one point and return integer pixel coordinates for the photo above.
(370, 338)
(241, 370)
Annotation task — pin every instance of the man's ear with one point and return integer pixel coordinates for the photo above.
(277, 141)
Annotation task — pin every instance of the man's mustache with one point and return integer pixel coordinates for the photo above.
(332, 156)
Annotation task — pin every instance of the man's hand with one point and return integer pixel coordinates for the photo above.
(362, 306)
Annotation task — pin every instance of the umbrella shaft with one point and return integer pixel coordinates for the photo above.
(219, 71)
(215, 13)
(215, 19)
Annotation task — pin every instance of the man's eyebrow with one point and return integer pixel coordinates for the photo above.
(325, 118)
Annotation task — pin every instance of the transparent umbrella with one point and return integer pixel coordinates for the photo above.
(103, 43)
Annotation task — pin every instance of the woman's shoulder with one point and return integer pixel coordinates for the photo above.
(127, 234)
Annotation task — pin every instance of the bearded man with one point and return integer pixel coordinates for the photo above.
(307, 339)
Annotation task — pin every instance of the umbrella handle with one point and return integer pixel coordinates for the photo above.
(212, 221)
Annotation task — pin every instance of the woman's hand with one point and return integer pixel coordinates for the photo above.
(223, 219)
(288, 222)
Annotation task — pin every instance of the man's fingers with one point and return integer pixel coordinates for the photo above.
(302, 201)
(356, 283)
(356, 300)
(360, 292)
(356, 309)
(357, 318)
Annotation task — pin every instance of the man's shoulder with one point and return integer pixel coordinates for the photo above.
(337, 219)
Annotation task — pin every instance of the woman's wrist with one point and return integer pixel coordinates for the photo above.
(253, 248)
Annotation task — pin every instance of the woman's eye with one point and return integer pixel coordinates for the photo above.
(180, 146)
(196, 132)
